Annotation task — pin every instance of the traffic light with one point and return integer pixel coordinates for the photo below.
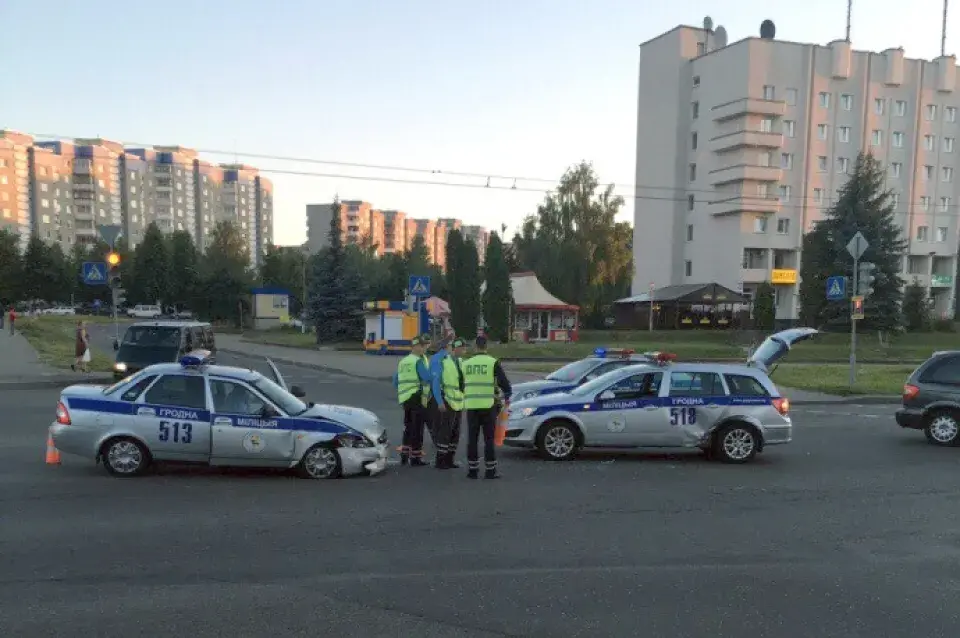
(113, 269)
(857, 310)
(865, 278)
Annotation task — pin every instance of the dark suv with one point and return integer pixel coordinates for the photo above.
(931, 399)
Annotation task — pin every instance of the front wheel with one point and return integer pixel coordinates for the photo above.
(320, 462)
(125, 457)
(735, 443)
(942, 428)
(558, 441)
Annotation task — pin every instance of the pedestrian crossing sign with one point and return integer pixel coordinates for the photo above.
(836, 288)
(94, 272)
(419, 285)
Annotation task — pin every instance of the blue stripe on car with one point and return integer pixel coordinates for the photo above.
(660, 402)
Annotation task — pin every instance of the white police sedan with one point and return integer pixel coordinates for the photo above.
(195, 412)
(577, 373)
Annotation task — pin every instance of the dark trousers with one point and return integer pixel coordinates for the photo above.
(484, 421)
(413, 414)
(447, 432)
(432, 419)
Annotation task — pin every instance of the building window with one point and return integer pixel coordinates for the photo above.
(948, 145)
(824, 100)
(878, 104)
(783, 226)
(693, 172)
(946, 174)
(941, 234)
(688, 268)
(895, 200)
(765, 158)
(690, 202)
(789, 128)
(878, 138)
(701, 48)
(895, 168)
(693, 141)
(921, 233)
(931, 112)
(766, 125)
(846, 101)
(822, 131)
(950, 113)
(843, 164)
(944, 204)
(786, 161)
(689, 232)
(759, 225)
(696, 81)
(791, 97)
(763, 190)
(900, 108)
(784, 193)
(769, 92)
(695, 110)
(929, 142)
(818, 195)
(927, 172)
(822, 163)
(925, 203)
(898, 139)
(843, 134)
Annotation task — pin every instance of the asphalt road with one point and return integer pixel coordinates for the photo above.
(851, 531)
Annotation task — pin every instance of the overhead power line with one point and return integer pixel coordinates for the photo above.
(682, 195)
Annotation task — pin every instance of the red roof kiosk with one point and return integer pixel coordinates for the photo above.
(539, 316)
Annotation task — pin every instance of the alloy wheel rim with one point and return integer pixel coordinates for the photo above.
(559, 442)
(738, 444)
(124, 457)
(944, 429)
(320, 462)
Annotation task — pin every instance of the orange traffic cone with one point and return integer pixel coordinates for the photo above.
(500, 432)
(53, 454)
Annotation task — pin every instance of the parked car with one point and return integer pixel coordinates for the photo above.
(931, 399)
(59, 311)
(142, 311)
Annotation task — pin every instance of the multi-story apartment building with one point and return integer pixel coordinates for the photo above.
(63, 191)
(391, 231)
(742, 147)
(479, 236)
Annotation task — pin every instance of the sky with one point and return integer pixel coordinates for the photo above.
(516, 91)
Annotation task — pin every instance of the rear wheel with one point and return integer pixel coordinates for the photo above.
(320, 462)
(943, 428)
(736, 443)
(125, 457)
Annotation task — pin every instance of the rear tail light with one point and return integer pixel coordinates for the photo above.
(782, 405)
(910, 391)
(63, 417)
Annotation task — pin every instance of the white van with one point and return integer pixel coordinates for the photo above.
(141, 311)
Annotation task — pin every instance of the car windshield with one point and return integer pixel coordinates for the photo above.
(572, 371)
(604, 380)
(116, 386)
(287, 402)
(152, 337)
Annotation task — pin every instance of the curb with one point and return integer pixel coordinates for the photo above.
(852, 400)
(53, 382)
(312, 366)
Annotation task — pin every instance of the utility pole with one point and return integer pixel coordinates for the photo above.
(650, 317)
(856, 247)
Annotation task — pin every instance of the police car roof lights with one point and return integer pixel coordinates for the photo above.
(602, 353)
(663, 358)
(195, 359)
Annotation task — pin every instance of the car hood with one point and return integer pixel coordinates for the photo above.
(544, 400)
(359, 419)
(540, 386)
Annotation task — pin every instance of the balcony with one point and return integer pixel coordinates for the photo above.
(745, 139)
(754, 275)
(747, 106)
(745, 172)
(741, 204)
(81, 166)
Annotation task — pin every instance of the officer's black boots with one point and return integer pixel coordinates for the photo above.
(473, 474)
(418, 462)
(491, 474)
(451, 464)
(404, 459)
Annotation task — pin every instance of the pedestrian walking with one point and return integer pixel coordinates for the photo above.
(483, 376)
(81, 348)
(448, 388)
(412, 381)
(12, 317)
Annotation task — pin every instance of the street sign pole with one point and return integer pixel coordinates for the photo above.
(856, 247)
(116, 322)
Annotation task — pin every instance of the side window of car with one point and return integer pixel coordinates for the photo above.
(180, 390)
(946, 371)
(133, 392)
(208, 338)
(637, 386)
(601, 370)
(745, 386)
(235, 398)
(695, 384)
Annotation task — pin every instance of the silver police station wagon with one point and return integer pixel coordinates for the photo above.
(195, 412)
(729, 411)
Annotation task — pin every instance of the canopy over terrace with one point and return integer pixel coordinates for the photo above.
(684, 306)
(538, 315)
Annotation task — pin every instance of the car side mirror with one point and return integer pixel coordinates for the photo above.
(297, 391)
(606, 395)
(116, 345)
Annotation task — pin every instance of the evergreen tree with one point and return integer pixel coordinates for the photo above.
(11, 268)
(456, 282)
(184, 269)
(225, 278)
(151, 282)
(44, 273)
(335, 301)
(863, 205)
(764, 307)
(917, 314)
(471, 281)
(498, 294)
(417, 258)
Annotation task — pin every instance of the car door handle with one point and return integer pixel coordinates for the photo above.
(222, 420)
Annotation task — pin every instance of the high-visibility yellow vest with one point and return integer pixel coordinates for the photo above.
(408, 381)
(450, 381)
(480, 385)
(427, 390)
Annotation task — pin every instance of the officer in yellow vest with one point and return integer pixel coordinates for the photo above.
(449, 404)
(483, 376)
(412, 382)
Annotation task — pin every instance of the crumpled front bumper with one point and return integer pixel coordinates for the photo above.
(369, 460)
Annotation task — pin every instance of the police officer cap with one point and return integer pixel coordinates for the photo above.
(481, 341)
(415, 341)
(459, 343)
(424, 338)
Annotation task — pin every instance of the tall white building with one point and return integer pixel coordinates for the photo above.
(742, 147)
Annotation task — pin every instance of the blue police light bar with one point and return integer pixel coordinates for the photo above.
(195, 359)
(600, 352)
